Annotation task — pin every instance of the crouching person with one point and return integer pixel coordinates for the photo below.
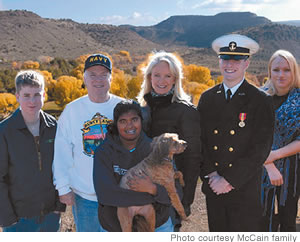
(126, 145)
(28, 199)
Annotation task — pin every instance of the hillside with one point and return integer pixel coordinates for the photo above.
(26, 36)
(272, 37)
(198, 31)
(291, 22)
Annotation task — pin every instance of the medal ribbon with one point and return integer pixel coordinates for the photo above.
(242, 116)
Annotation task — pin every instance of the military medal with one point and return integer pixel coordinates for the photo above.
(242, 118)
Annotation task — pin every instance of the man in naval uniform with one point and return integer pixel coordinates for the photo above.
(237, 122)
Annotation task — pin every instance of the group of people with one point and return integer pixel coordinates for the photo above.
(243, 142)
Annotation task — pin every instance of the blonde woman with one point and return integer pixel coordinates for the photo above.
(281, 177)
(171, 111)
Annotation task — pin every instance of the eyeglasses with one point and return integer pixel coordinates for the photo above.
(99, 77)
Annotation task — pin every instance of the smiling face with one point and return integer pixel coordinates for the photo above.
(281, 75)
(129, 127)
(162, 80)
(31, 100)
(233, 71)
(97, 81)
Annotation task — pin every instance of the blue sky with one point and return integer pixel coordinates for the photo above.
(150, 12)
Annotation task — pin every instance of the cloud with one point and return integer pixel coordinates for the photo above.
(234, 5)
(137, 19)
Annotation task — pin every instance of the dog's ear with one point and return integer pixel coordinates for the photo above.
(154, 141)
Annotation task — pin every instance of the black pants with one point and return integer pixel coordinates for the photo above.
(226, 214)
(285, 220)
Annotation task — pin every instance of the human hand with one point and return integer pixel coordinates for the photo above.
(67, 199)
(219, 185)
(274, 174)
(272, 157)
(211, 176)
(142, 184)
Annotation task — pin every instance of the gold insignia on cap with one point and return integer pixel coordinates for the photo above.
(232, 46)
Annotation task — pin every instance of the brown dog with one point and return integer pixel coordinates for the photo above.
(159, 168)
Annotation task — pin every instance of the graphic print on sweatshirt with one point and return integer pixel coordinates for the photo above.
(94, 133)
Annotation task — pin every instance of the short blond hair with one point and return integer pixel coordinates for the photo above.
(176, 70)
(291, 60)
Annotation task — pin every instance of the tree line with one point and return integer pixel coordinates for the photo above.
(64, 80)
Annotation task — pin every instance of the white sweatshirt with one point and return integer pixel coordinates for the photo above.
(81, 128)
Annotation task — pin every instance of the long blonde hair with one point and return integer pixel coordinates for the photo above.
(176, 70)
(288, 56)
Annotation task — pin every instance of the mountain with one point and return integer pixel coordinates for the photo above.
(272, 37)
(26, 36)
(198, 31)
(291, 22)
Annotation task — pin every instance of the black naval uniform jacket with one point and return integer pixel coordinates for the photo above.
(235, 151)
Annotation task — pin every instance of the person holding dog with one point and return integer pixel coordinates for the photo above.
(125, 146)
(168, 110)
(237, 122)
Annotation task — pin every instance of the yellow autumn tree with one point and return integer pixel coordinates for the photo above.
(219, 80)
(16, 65)
(194, 73)
(211, 83)
(8, 103)
(119, 83)
(78, 71)
(67, 89)
(81, 59)
(126, 54)
(49, 85)
(31, 65)
(195, 89)
(134, 87)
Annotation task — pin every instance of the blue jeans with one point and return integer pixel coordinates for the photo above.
(166, 227)
(85, 214)
(47, 223)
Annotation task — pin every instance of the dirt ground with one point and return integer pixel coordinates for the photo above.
(197, 221)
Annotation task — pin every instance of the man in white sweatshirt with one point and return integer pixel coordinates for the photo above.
(81, 129)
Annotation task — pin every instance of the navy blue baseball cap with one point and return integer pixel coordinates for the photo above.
(98, 59)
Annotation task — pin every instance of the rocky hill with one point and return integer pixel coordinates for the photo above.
(26, 36)
(198, 31)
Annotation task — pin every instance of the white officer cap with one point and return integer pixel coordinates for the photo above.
(234, 46)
